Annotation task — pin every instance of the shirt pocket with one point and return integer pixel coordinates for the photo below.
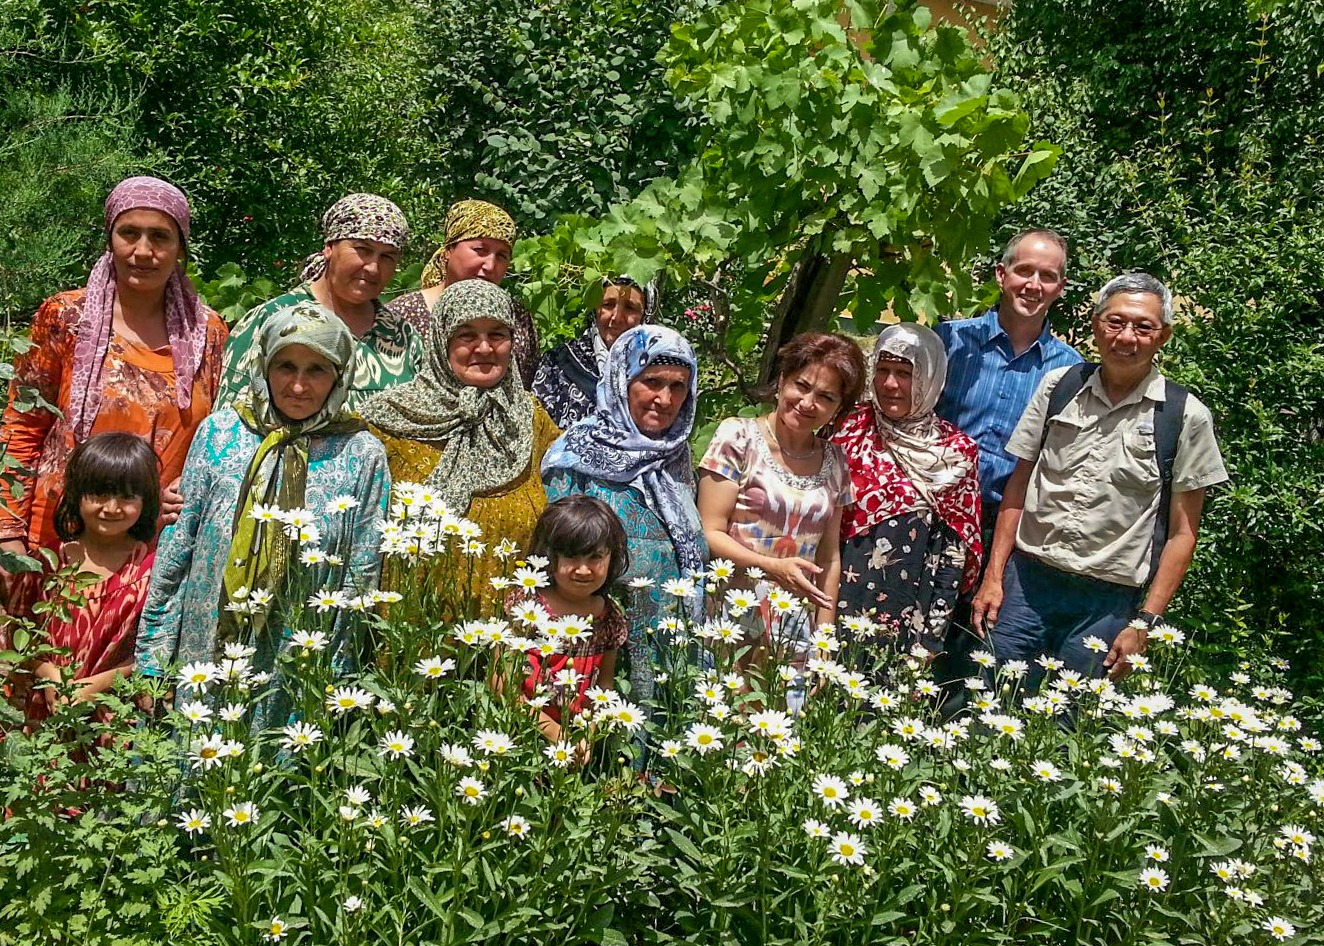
(1137, 469)
(1065, 447)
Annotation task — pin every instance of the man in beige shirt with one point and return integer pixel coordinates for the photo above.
(1079, 553)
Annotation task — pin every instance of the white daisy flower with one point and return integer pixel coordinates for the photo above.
(194, 821)
(397, 745)
(242, 814)
(471, 790)
(981, 810)
(516, 826)
(831, 790)
(299, 736)
(344, 699)
(847, 848)
(1154, 879)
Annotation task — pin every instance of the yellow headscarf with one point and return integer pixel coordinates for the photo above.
(468, 220)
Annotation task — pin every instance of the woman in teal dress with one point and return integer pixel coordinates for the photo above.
(287, 442)
(633, 454)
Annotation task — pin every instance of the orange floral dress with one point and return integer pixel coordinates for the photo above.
(138, 397)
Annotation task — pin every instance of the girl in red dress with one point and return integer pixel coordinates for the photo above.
(107, 520)
(584, 544)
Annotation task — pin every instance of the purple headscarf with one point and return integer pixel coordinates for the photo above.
(186, 319)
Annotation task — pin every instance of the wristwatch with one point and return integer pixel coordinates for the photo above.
(1147, 620)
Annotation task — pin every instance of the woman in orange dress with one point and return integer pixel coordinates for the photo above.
(134, 351)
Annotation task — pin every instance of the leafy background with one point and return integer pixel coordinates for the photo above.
(1187, 137)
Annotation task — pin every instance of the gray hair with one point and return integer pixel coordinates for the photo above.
(1052, 236)
(1137, 283)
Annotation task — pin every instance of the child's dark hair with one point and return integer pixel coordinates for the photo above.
(580, 525)
(115, 464)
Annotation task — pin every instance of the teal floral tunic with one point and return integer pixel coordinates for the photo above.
(183, 601)
(386, 356)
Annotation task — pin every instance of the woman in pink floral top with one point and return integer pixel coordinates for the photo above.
(771, 491)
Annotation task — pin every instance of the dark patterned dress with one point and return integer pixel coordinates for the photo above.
(567, 380)
(902, 560)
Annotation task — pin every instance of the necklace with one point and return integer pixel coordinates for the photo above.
(772, 434)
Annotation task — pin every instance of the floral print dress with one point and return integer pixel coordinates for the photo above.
(138, 397)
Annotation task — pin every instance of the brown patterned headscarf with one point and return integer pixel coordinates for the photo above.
(358, 217)
(185, 316)
(468, 220)
(485, 434)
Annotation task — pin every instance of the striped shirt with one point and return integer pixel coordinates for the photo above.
(988, 388)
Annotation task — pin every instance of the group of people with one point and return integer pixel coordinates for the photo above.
(161, 443)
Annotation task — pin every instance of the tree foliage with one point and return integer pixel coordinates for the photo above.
(62, 144)
(551, 108)
(864, 134)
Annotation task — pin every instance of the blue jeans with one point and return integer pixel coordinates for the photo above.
(1047, 611)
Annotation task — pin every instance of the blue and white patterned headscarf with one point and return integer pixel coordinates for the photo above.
(608, 446)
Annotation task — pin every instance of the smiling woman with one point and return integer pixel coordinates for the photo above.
(134, 351)
(772, 492)
(287, 441)
(364, 236)
(466, 428)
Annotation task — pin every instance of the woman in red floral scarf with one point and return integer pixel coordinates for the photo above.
(911, 542)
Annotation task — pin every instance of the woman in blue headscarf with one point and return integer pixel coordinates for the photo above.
(633, 453)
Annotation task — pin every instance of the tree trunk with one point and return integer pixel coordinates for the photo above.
(809, 303)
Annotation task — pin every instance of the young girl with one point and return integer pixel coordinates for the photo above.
(106, 519)
(584, 544)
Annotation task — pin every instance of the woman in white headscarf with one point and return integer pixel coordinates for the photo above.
(911, 542)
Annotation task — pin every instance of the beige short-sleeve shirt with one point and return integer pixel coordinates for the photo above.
(1094, 491)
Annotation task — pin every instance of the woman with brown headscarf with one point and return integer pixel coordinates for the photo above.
(479, 240)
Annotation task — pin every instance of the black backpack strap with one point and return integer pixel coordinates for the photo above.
(1067, 387)
(1168, 417)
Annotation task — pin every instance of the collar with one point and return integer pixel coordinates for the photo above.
(993, 330)
(1152, 387)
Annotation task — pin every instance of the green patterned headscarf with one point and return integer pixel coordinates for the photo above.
(259, 550)
(485, 434)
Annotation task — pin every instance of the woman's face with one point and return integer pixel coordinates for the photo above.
(809, 398)
(145, 246)
(479, 352)
(358, 270)
(621, 309)
(300, 380)
(482, 258)
(656, 396)
(893, 386)
(109, 517)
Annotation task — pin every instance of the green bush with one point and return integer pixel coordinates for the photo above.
(63, 144)
(412, 804)
(551, 108)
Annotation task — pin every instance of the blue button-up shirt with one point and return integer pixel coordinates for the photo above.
(989, 386)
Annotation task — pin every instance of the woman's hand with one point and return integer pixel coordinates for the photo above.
(797, 575)
(172, 502)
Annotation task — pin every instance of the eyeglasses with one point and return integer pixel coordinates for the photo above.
(1143, 330)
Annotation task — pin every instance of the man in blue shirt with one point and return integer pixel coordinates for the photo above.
(995, 361)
